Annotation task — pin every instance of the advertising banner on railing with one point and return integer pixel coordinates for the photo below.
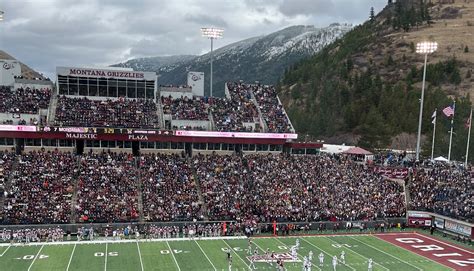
(456, 227)
(17, 128)
(419, 219)
(439, 222)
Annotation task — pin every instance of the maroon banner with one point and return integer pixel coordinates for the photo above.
(392, 173)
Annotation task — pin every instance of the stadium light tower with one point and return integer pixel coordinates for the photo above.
(212, 34)
(426, 47)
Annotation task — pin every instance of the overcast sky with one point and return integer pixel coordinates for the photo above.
(49, 33)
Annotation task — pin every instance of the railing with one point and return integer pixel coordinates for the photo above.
(261, 228)
(442, 223)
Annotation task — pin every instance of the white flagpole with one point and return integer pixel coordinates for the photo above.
(468, 137)
(434, 133)
(451, 134)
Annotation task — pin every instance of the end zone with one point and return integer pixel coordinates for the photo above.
(438, 251)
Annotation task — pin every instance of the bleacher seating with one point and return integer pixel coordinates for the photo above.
(24, 100)
(119, 113)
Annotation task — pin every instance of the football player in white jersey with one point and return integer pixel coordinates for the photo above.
(321, 259)
(334, 262)
(343, 257)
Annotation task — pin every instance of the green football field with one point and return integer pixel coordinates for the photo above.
(185, 254)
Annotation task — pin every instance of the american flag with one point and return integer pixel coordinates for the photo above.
(448, 111)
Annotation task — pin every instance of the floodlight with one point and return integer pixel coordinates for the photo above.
(212, 33)
(426, 47)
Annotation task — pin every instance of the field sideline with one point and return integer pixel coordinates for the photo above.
(209, 254)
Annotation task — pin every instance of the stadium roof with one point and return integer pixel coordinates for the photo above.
(357, 151)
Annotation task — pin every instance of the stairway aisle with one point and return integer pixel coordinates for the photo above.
(74, 218)
(8, 180)
(140, 192)
(198, 188)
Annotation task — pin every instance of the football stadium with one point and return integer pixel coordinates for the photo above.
(107, 168)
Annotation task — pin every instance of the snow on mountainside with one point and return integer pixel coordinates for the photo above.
(158, 63)
(262, 58)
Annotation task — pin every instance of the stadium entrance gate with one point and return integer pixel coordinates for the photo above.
(79, 147)
(188, 148)
(19, 145)
(136, 148)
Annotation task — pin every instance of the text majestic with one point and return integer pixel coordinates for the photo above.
(81, 136)
(97, 73)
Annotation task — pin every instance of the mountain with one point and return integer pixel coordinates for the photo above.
(26, 71)
(365, 88)
(262, 58)
(158, 64)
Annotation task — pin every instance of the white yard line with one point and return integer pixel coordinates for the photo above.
(386, 253)
(70, 259)
(297, 254)
(360, 255)
(106, 247)
(205, 255)
(172, 254)
(227, 244)
(140, 255)
(263, 250)
(5, 251)
(330, 256)
(39, 251)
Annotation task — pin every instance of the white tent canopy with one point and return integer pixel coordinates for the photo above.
(441, 159)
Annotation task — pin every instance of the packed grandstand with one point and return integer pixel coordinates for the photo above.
(46, 182)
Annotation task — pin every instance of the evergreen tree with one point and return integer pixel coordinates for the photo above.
(374, 130)
(372, 14)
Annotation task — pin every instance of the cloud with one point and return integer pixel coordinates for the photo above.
(206, 20)
(306, 7)
(47, 33)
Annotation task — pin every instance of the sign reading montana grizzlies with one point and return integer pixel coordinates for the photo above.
(196, 82)
(105, 73)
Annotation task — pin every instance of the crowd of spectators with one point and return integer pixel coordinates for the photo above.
(32, 235)
(443, 189)
(230, 114)
(294, 188)
(24, 100)
(168, 188)
(41, 189)
(237, 112)
(7, 159)
(272, 110)
(185, 108)
(107, 188)
(248, 189)
(119, 113)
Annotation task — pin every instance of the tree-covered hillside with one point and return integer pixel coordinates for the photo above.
(366, 87)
